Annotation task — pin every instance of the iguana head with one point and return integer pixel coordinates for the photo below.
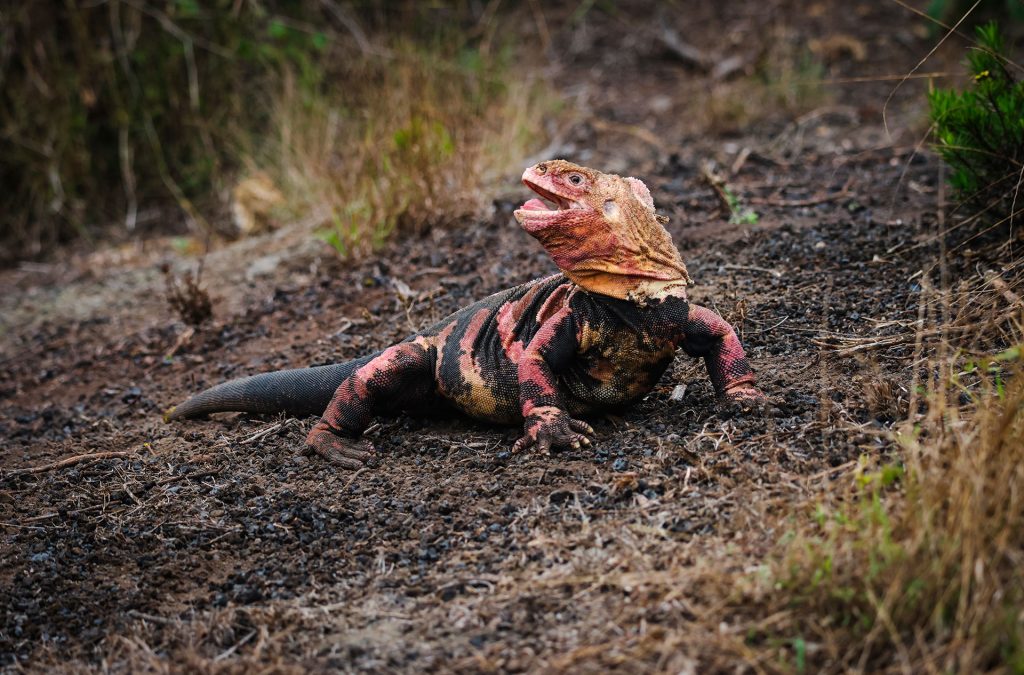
(603, 232)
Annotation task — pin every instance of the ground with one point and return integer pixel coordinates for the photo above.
(219, 545)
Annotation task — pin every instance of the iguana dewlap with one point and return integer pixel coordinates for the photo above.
(596, 337)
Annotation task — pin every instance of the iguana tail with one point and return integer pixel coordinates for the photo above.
(303, 391)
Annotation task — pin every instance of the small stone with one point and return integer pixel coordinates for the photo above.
(620, 464)
(262, 266)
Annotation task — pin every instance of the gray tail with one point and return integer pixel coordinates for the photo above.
(303, 391)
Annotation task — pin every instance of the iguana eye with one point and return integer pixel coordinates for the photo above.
(575, 178)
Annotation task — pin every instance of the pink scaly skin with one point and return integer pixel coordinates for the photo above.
(545, 421)
(594, 338)
(709, 335)
(397, 376)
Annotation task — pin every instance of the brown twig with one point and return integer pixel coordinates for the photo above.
(70, 461)
(266, 431)
(352, 480)
(684, 51)
(810, 201)
(753, 268)
(633, 130)
(717, 184)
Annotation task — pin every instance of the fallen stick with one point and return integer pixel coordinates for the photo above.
(266, 431)
(853, 344)
(752, 268)
(70, 461)
(352, 480)
(717, 183)
(810, 201)
(630, 129)
(1004, 289)
(684, 51)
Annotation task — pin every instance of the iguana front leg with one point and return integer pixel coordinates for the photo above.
(708, 335)
(546, 423)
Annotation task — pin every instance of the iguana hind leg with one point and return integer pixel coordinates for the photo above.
(400, 376)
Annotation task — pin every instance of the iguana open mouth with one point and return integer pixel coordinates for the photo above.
(536, 205)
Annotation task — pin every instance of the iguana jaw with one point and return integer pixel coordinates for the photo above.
(535, 214)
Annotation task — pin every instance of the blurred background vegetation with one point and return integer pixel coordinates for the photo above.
(129, 117)
(121, 115)
(979, 131)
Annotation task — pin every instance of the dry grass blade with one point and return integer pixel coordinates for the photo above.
(989, 311)
(69, 461)
(951, 31)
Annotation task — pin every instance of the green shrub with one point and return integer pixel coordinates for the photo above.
(980, 131)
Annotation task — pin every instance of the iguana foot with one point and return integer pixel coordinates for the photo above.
(746, 392)
(548, 426)
(744, 399)
(348, 453)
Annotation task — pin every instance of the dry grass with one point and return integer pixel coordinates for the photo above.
(914, 563)
(369, 118)
(911, 563)
(884, 396)
(186, 296)
(413, 140)
(908, 563)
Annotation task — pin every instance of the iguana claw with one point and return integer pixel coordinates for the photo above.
(548, 426)
(348, 453)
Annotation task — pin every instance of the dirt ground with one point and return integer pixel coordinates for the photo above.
(217, 545)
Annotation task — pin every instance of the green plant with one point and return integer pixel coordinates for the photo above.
(980, 131)
(738, 214)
